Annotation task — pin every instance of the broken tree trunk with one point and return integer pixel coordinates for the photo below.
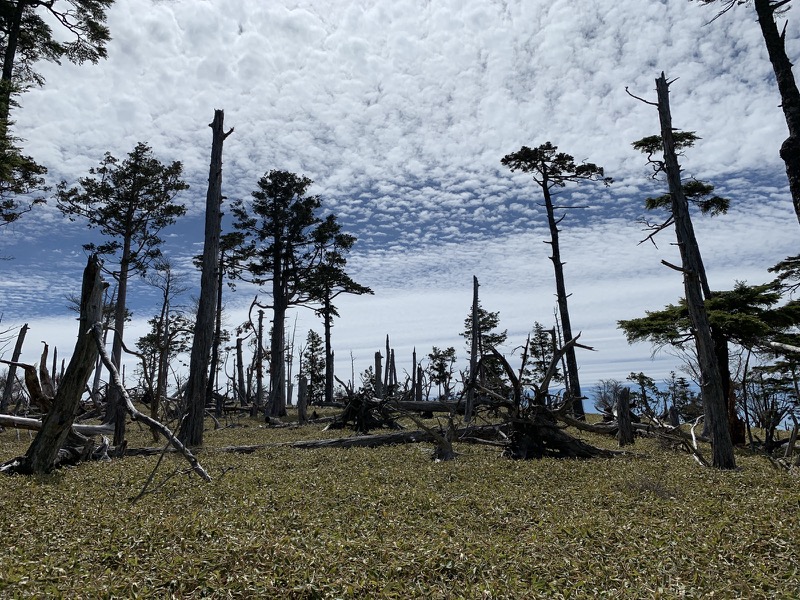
(191, 431)
(36, 425)
(57, 424)
(473, 357)
(12, 370)
(625, 429)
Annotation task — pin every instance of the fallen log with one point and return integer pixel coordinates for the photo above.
(36, 425)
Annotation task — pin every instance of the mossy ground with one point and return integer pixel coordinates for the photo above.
(390, 523)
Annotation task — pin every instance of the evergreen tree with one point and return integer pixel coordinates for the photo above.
(130, 202)
(491, 374)
(312, 367)
(282, 236)
(552, 169)
(441, 369)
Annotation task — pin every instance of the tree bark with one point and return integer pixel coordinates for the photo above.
(115, 412)
(790, 96)
(625, 428)
(573, 382)
(56, 425)
(473, 356)
(713, 398)
(191, 431)
(12, 369)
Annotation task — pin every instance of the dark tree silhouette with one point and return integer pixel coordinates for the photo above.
(775, 42)
(130, 202)
(552, 169)
(280, 233)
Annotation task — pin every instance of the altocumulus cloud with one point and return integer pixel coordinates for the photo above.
(400, 112)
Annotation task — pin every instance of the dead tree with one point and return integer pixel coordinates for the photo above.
(191, 432)
(11, 374)
(473, 356)
(57, 424)
(625, 429)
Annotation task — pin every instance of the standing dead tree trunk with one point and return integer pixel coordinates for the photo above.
(57, 424)
(191, 431)
(625, 428)
(12, 369)
(473, 355)
(692, 269)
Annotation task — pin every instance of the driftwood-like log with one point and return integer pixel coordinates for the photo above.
(36, 425)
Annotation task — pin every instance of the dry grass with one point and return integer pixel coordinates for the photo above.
(390, 523)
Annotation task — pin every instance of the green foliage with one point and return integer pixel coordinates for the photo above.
(390, 523)
(747, 315)
(278, 230)
(552, 168)
(441, 368)
(130, 202)
(82, 33)
(312, 366)
(20, 179)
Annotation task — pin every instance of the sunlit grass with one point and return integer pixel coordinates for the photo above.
(388, 522)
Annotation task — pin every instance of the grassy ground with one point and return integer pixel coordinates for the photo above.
(390, 523)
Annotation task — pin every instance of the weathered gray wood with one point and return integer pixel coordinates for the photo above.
(12, 369)
(36, 425)
(116, 381)
(191, 431)
(625, 429)
(693, 275)
(473, 357)
(302, 400)
(57, 423)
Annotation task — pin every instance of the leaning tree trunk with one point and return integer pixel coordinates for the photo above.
(191, 431)
(713, 399)
(12, 370)
(573, 382)
(790, 96)
(57, 424)
(115, 409)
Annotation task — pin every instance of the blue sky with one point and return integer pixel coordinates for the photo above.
(400, 112)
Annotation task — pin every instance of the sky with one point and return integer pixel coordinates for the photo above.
(400, 112)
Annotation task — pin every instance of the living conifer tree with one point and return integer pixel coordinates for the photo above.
(552, 169)
(130, 202)
(280, 246)
(26, 37)
(327, 280)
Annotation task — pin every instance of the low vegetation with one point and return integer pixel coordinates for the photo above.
(391, 523)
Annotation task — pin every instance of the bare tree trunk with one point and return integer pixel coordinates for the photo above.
(211, 384)
(302, 400)
(573, 382)
(12, 369)
(473, 357)
(378, 384)
(625, 429)
(240, 387)
(191, 431)
(57, 424)
(790, 96)
(257, 405)
(713, 399)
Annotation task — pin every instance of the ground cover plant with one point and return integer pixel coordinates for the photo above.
(391, 523)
